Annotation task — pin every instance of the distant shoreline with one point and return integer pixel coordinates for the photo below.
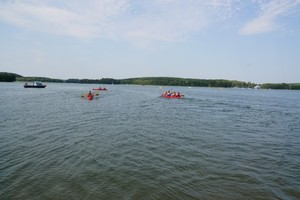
(165, 81)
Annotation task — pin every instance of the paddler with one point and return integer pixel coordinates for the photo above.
(90, 94)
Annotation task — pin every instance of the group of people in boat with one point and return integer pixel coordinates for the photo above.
(100, 88)
(171, 94)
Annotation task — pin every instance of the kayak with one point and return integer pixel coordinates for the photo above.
(99, 89)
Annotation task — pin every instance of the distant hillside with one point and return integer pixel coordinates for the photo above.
(94, 81)
(166, 81)
(187, 82)
(173, 81)
(8, 77)
(170, 81)
(281, 86)
(43, 79)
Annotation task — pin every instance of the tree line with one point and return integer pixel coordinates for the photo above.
(167, 81)
(42, 79)
(281, 86)
(172, 81)
(8, 77)
(94, 81)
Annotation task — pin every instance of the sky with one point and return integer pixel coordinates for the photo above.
(247, 40)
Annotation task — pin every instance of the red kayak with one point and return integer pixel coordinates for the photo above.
(172, 96)
(100, 88)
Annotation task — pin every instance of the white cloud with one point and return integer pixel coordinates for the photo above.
(74, 18)
(224, 9)
(270, 11)
(147, 20)
(167, 20)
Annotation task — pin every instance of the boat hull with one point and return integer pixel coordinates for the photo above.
(172, 97)
(99, 89)
(34, 86)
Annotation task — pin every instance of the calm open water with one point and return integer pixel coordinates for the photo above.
(132, 144)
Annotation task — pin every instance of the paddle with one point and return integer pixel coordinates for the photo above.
(162, 89)
(85, 95)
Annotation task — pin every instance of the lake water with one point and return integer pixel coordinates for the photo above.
(130, 143)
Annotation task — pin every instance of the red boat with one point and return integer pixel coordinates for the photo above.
(100, 88)
(89, 96)
(172, 95)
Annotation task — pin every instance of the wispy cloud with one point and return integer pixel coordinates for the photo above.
(162, 20)
(269, 13)
(150, 19)
(73, 18)
(167, 20)
(224, 9)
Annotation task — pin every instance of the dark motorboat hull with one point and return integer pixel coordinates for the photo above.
(34, 86)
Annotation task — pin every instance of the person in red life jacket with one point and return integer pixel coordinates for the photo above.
(90, 94)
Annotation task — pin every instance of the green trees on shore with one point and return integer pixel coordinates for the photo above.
(281, 86)
(187, 82)
(168, 81)
(94, 81)
(43, 79)
(8, 77)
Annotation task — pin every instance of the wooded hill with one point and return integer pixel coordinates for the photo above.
(8, 77)
(281, 86)
(42, 79)
(168, 81)
(187, 82)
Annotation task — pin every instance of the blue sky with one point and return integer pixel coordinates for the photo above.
(247, 40)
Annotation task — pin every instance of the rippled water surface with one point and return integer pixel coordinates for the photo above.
(129, 143)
